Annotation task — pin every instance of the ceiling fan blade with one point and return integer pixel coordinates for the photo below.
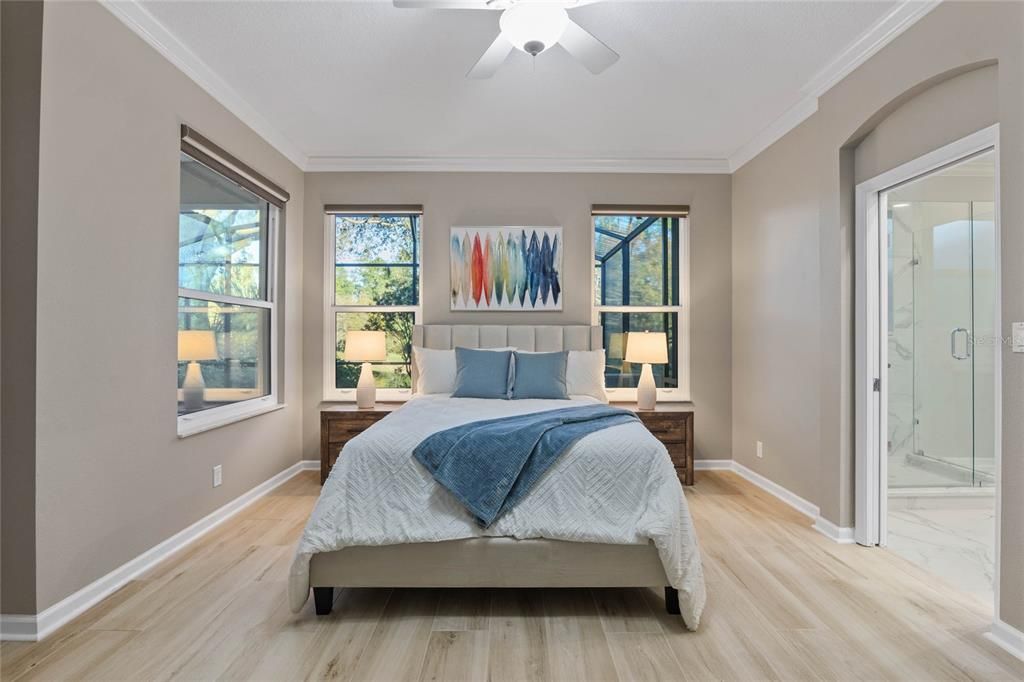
(493, 58)
(590, 51)
(446, 4)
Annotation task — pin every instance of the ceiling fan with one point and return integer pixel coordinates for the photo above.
(532, 26)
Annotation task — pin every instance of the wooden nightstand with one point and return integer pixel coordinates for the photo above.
(672, 424)
(339, 423)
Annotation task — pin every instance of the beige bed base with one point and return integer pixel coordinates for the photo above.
(500, 561)
(488, 562)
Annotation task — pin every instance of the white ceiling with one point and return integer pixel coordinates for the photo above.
(363, 84)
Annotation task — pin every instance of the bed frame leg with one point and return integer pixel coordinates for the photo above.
(671, 601)
(323, 598)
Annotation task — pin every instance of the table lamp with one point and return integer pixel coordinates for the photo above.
(195, 345)
(365, 347)
(646, 348)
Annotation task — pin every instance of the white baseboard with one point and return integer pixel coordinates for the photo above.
(1007, 637)
(37, 627)
(712, 465)
(844, 536)
(792, 499)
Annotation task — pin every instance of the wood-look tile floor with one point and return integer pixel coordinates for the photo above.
(784, 603)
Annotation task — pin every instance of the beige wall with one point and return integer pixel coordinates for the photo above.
(22, 24)
(540, 199)
(898, 105)
(113, 478)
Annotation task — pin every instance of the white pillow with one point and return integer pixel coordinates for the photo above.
(435, 369)
(584, 374)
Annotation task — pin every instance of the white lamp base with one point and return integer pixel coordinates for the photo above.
(193, 388)
(366, 389)
(646, 390)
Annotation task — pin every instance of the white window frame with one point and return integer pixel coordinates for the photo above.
(245, 408)
(682, 392)
(331, 392)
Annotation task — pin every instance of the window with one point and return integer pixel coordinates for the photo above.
(641, 283)
(373, 283)
(226, 310)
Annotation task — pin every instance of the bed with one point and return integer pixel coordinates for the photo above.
(609, 513)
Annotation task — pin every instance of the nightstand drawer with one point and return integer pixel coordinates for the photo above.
(668, 428)
(342, 423)
(679, 452)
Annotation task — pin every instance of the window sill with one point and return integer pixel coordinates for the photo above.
(190, 425)
(628, 395)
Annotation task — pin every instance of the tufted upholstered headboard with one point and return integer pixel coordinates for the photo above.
(524, 337)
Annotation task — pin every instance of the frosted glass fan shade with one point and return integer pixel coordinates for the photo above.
(522, 24)
(647, 347)
(365, 346)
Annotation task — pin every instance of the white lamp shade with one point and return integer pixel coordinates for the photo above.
(647, 347)
(365, 346)
(196, 344)
(521, 24)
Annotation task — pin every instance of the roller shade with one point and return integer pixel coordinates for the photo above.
(373, 209)
(206, 152)
(640, 209)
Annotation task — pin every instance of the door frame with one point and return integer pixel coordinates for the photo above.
(871, 342)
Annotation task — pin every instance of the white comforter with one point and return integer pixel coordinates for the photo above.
(614, 486)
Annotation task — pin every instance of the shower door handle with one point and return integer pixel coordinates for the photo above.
(967, 344)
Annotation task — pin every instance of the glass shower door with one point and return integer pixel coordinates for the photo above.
(943, 357)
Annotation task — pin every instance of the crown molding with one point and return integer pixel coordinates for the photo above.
(512, 164)
(793, 117)
(880, 34)
(137, 18)
(877, 36)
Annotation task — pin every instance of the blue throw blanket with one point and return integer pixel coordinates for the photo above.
(490, 465)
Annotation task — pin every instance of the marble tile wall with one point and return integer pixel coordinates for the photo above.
(901, 349)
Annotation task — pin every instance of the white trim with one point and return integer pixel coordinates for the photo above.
(137, 18)
(1009, 638)
(877, 36)
(513, 164)
(214, 418)
(837, 534)
(806, 508)
(870, 350)
(870, 498)
(331, 393)
(38, 627)
(15, 628)
(789, 120)
(681, 394)
(712, 465)
(880, 34)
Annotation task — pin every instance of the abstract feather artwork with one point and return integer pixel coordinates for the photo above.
(506, 268)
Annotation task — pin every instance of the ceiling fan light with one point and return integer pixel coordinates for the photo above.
(525, 24)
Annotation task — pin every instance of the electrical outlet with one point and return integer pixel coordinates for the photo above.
(218, 476)
(760, 449)
(1017, 338)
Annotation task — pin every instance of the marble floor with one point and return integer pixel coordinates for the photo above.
(919, 473)
(956, 543)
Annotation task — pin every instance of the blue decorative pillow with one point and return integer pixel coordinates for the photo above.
(540, 375)
(481, 373)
